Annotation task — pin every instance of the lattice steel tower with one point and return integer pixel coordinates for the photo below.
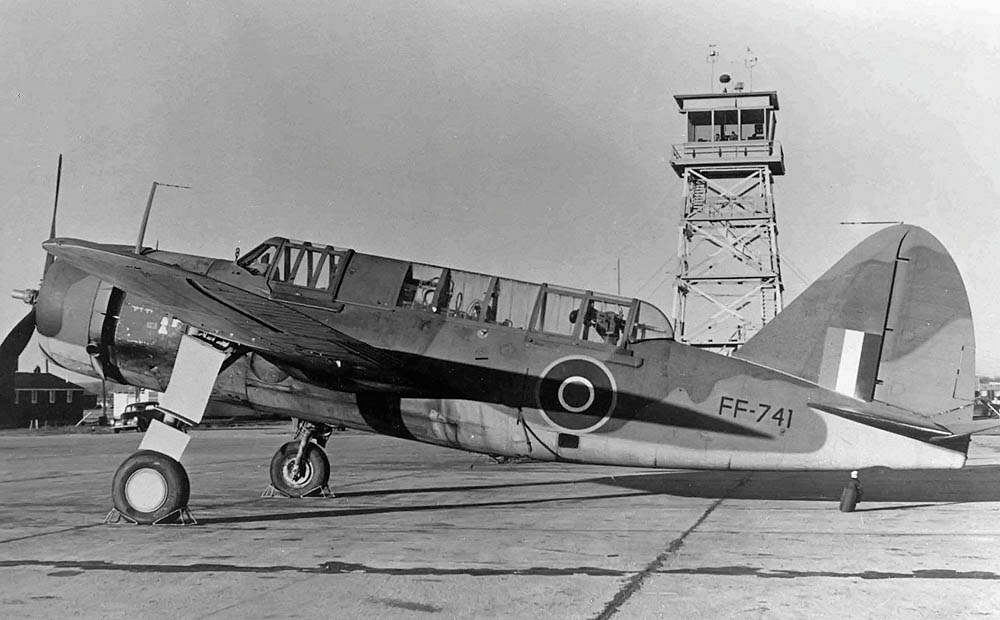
(729, 274)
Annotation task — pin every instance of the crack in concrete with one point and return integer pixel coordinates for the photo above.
(635, 582)
(50, 533)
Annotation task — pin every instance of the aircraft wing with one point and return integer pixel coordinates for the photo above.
(231, 313)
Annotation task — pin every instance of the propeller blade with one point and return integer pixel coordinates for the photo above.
(10, 350)
(55, 207)
(15, 342)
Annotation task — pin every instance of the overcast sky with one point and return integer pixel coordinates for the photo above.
(529, 139)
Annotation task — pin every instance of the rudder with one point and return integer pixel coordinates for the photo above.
(890, 322)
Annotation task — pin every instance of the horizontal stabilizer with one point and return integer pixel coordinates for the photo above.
(954, 435)
(969, 428)
(901, 423)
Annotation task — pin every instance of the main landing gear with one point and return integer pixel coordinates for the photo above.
(300, 468)
(851, 495)
(151, 486)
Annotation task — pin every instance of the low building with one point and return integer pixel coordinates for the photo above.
(44, 397)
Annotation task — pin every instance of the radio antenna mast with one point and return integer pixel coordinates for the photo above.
(711, 59)
(749, 62)
(145, 215)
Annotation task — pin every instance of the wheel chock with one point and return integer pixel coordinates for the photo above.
(181, 516)
(320, 491)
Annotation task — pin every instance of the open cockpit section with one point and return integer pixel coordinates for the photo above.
(470, 296)
(298, 269)
(559, 311)
(596, 317)
(323, 275)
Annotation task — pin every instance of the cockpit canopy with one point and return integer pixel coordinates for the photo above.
(303, 272)
(298, 263)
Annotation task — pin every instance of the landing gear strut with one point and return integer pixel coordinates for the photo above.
(151, 486)
(852, 494)
(300, 468)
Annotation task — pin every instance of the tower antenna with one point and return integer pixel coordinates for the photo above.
(749, 62)
(711, 59)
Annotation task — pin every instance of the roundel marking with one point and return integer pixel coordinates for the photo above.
(576, 394)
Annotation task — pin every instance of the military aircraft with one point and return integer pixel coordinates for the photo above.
(873, 365)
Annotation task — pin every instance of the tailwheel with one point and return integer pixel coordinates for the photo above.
(299, 477)
(150, 487)
(851, 495)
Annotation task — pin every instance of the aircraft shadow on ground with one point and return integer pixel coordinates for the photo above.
(917, 488)
(461, 488)
(971, 484)
(353, 512)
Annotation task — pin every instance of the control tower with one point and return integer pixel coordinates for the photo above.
(729, 275)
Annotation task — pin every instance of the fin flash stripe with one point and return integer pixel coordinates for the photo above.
(850, 362)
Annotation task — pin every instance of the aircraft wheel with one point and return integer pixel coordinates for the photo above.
(150, 486)
(314, 473)
(851, 495)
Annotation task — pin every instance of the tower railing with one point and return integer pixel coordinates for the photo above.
(741, 151)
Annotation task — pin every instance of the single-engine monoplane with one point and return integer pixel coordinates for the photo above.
(873, 365)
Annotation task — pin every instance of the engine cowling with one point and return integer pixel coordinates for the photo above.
(72, 318)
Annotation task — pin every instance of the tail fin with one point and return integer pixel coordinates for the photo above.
(889, 322)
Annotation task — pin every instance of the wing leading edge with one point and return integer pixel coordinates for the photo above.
(226, 311)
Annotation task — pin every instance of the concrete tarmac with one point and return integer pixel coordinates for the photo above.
(422, 532)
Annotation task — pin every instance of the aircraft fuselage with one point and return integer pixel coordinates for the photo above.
(530, 381)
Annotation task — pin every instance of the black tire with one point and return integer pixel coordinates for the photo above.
(116, 431)
(850, 497)
(315, 474)
(149, 486)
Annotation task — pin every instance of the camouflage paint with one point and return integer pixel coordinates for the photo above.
(498, 389)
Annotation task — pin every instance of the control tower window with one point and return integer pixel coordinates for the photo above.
(700, 127)
(752, 125)
(726, 125)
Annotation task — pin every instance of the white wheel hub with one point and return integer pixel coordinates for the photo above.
(146, 490)
(292, 478)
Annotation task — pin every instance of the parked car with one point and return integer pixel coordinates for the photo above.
(136, 416)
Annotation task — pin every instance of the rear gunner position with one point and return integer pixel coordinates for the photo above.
(871, 366)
